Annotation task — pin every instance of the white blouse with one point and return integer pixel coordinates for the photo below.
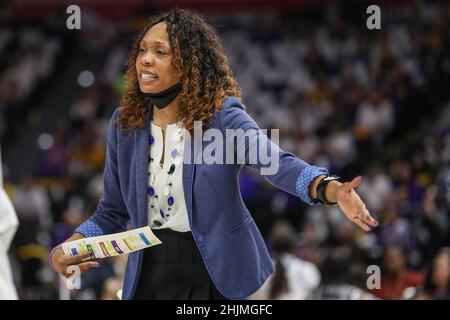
(166, 203)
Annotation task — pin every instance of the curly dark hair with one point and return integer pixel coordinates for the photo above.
(201, 64)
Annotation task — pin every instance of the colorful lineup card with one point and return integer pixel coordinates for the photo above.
(113, 244)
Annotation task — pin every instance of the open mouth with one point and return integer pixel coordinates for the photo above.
(148, 76)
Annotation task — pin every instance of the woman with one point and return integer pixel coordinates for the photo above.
(211, 247)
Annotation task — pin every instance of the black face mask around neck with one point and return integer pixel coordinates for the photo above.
(164, 98)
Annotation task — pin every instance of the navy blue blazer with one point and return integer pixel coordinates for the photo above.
(230, 243)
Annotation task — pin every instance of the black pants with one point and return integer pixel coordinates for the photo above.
(174, 270)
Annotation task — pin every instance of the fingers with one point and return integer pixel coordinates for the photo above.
(352, 184)
(367, 218)
(76, 259)
(361, 224)
(364, 220)
(68, 265)
(86, 265)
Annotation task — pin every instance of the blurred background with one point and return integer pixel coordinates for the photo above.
(364, 102)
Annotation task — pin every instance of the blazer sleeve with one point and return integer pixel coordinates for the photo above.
(285, 171)
(111, 215)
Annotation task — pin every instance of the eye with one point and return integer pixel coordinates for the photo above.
(161, 52)
(141, 50)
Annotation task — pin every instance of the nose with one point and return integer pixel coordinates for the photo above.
(147, 59)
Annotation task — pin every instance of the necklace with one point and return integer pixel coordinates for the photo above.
(157, 198)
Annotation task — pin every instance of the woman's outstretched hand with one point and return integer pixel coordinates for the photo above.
(352, 206)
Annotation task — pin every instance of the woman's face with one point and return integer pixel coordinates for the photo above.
(154, 61)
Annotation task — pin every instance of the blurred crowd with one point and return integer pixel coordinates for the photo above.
(359, 102)
(27, 59)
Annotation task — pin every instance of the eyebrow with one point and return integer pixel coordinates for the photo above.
(156, 42)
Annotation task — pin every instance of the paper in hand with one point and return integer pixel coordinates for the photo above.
(113, 244)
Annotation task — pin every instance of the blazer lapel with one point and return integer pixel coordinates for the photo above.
(194, 146)
(188, 176)
(142, 149)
